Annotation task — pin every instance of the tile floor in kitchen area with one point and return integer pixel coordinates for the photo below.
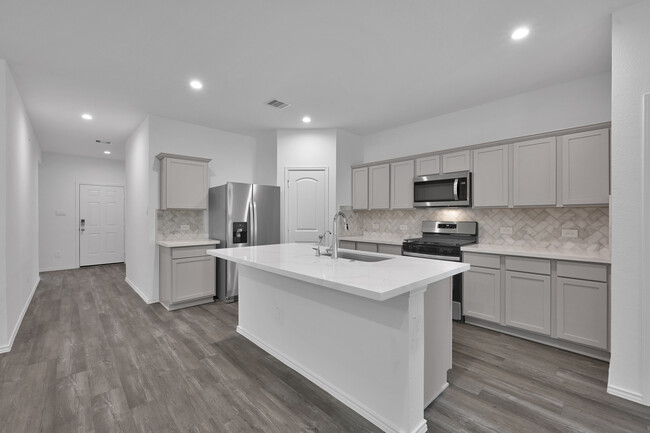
(91, 356)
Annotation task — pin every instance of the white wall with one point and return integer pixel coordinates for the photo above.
(232, 160)
(306, 148)
(576, 103)
(265, 158)
(233, 155)
(19, 209)
(4, 339)
(629, 373)
(59, 177)
(349, 151)
(139, 215)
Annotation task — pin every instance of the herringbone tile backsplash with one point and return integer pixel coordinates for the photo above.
(538, 227)
(168, 225)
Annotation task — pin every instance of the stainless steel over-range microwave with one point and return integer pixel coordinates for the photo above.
(443, 190)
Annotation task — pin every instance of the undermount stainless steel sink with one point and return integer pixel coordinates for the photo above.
(361, 257)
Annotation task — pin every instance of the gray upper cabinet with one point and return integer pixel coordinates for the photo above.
(585, 168)
(360, 188)
(379, 186)
(427, 165)
(490, 181)
(401, 186)
(455, 161)
(183, 182)
(534, 172)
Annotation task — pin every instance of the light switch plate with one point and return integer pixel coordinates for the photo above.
(403, 227)
(375, 226)
(59, 212)
(506, 230)
(569, 233)
(185, 227)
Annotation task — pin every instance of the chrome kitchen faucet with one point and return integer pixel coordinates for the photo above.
(334, 249)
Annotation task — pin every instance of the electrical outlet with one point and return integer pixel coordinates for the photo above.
(506, 230)
(57, 254)
(403, 227)
(375, 226)
(569, 233)
(185, 227)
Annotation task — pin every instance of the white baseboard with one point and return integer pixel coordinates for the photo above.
(144, 297)
(624, 393)
(7, 348)
(353, 404)
(62, 268)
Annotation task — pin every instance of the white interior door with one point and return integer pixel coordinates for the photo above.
(101, 224)
(307, 204)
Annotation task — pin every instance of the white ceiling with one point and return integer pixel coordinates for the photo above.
(362, 65)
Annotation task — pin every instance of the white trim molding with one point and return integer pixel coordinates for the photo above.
(7, 348)
(624, 393)
(645, 254)
(140, 293)
(58, 268)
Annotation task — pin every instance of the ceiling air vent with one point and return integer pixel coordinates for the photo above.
(102, 142)
(277, 104)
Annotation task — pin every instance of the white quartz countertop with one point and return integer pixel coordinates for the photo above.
(193, 243)
(542, 253)
(373, 280)
(373, 239)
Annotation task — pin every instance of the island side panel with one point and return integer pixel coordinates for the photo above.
(368, 354)
(437, 339)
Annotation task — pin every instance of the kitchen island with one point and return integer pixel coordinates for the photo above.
(373, 330)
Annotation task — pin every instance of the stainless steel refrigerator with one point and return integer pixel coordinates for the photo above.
(241, 215)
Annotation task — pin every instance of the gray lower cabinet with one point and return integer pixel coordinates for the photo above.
(365, 246)
(582, 303)
(348, 245)
(528, 301)
(372, 247)
(482, 294)
(187, 276)
(555, 302)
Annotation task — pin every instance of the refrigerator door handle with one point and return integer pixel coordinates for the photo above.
(254, 223)
(251, 224)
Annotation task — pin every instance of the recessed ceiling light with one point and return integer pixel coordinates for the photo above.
(196, 84)
(520, 33)
(107, 152)
(306, 119)
(87, 116)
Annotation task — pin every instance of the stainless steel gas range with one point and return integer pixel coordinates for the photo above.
(442, 240)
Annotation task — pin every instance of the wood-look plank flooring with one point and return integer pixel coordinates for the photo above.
(92, 357)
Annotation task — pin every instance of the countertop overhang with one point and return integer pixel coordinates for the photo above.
(394, 240)
(372, 280)
(192, 243)
(541, 253)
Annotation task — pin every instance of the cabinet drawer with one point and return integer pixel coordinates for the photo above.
(582, 271)
(483, 260)
(197, 251)
(363, 246)
(348, 245)
(390, 249)
(525, 264)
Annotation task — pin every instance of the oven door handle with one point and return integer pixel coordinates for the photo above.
(456, 189)
(431, 256)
